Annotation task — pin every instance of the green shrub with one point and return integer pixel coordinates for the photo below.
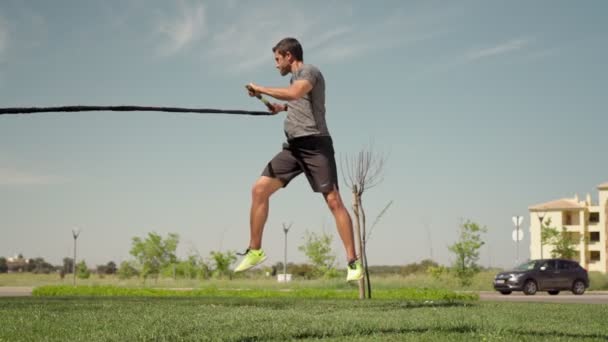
(598, 281)
(127, 270)
(82, 270)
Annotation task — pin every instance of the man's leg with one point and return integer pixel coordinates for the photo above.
(263, 188)
(343, 222)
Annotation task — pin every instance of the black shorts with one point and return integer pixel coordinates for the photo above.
(312, 155)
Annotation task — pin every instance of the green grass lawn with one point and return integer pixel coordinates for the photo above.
(406, 293)
(481, 282)
(282, 319)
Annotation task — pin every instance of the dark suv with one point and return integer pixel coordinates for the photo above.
(551, 275)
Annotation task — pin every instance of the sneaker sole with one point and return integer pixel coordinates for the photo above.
(250, 267)
(355, 279)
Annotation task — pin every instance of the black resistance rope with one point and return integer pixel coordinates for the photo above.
(30, 110)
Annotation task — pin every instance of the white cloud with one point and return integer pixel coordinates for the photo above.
(9, 176)
(184, 29)
(507, 47)
(246, 42)
(328, 36)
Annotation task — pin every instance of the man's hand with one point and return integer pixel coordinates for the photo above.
(253, 90)
(276, 108)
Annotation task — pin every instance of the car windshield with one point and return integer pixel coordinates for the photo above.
(526, 266)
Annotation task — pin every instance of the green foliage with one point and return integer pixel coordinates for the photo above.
(82, 270)
(564, 244)
(127, 270)
(39, 265)
(415, 268)
(111, 268)
(437, 272)
(107, 269)
(317, 248)
(222, 263)
(193, 267)
(598, 281)
(466, 250)
(304, 271)
(68, 265)
(3, 265)
(188, 268)
(154, 253)
(481, 281)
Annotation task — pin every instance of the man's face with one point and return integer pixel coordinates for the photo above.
(283, 63)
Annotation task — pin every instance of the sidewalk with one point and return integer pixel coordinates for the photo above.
(16, 291)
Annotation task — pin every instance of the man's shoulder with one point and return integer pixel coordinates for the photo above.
(310, 72)
(311, 68)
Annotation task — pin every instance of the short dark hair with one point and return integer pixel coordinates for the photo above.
(290, 45)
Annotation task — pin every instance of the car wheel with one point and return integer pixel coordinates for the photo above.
(530, 287)
(553, 293)
(578, 287)
(505, 292)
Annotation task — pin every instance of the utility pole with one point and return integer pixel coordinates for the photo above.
(75, 234)
(286, 230)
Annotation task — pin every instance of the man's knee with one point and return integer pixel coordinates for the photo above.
(334, 202)
(265, 187)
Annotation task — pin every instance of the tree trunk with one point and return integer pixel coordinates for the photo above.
(358, 240)
(364, 248)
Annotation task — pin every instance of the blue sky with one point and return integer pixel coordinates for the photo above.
(482, 109)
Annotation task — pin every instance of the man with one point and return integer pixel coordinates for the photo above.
(308, 150)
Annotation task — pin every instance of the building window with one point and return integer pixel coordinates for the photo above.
(594, 218)
(594, 236)
(567, 218)
(594, 256)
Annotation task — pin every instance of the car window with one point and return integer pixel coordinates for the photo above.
(564, 265)
(526, 266)
(548, 264)
(573, 265)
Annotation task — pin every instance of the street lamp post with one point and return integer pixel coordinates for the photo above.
(540, 220)
(286, 230)
(75, 234)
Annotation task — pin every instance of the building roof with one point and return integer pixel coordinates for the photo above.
(603, 186)
(560, 204)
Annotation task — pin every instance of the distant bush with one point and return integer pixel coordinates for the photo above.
(82, 270)
(126, 270)
(3, 265)
(417, 268)
(438, 272)
(305, 271)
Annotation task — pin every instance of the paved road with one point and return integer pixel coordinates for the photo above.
(590, 297)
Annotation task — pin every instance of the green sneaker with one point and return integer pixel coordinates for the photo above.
(355, 271)
(253, 257)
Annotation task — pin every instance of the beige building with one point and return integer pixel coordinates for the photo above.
(587, 222)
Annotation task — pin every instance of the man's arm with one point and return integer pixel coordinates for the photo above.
(295, 91)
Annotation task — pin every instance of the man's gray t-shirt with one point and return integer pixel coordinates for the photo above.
(306, 115)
